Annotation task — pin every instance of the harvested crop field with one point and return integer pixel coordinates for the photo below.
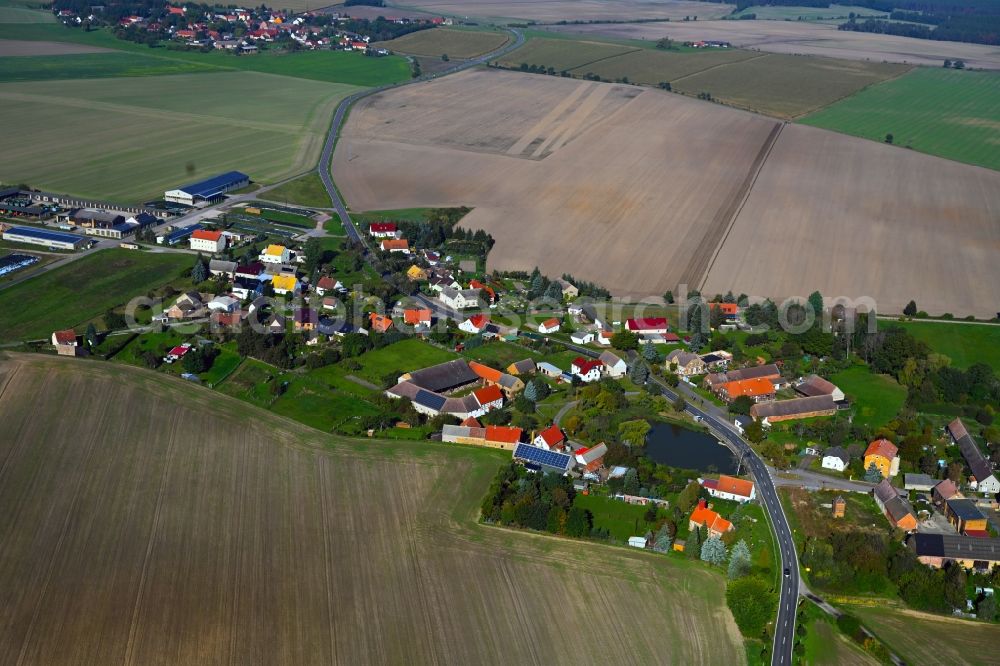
(573, 10)
(93, 137)
(638, 190)
(802, 38)
(196, 529)
(454, 43)
(17, 47)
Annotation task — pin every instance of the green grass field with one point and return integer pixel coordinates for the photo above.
(788, 86)
(130, 139)
(93, 66)
(306, 190)
(777, 13)
(964, 344)
(455, 43)
(18, 15)
(620, 519)
(943, 112)
(83, 289)
(562, 54)
(410, 354)
(877, 397)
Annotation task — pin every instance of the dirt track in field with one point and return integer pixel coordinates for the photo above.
(637, 190)
(801, 38)
(147, 521)
(17, 47)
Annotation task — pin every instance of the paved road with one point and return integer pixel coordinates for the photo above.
(767, 494)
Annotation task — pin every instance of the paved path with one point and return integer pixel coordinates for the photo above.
(562, 411)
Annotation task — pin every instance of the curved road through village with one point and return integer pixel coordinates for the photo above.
(784, 630)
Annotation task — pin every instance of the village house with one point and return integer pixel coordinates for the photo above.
(716, 361)
(417, 317)
(379, 323)
(896, 508)
(224, 303)
(730, 488)
(983, 479)
(591, 458)
(65, 343)
(797, 408)
(187, 306)
(884, 455)
(495, 437)
(459, 299)
(250, 271)
(648, 325)
(714, 524)
(304, 319)
(919, 482)
(489, 397)
(222, 267)
(937, 550)
(243, 288)
(581, 337)
(758, 390)
(588, 370)
(325, 284)
(944, 491)
(814, 385)
(399, 245)
(540, 460)
(613, 365)
(966, 517)
(769, 371)
(439, 283)
(276, 254)
(382, 230)
(551, 438)
(548, 369)
(835, 458)
(416, 274)
(475, 324)
(729, 311)
(568, 289)
(491, 293)
(203, 240)
(509, 384)
(684, 363)
(549, 326)
(285, 284)
(522, 367)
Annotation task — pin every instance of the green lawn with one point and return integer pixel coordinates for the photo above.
(877, 398)
(74, 294)
(251, 382)
(225, 363)
(158, 343)
(306, 190)
(964, 344)
(21, 15)
(939, 111)
(620, 519)
(93, 66)
(102, 130)
(318, 406)
(500, 354)
(405, 356)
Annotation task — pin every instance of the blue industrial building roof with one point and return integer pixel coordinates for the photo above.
(180, 234)
(213, 187)
(547, 459)
(46, 234)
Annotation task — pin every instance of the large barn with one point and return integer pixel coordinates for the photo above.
(210, 189)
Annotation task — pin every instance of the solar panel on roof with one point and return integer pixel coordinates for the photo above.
(211, 187)
(428, 399)
(45, 234)
(543, 456)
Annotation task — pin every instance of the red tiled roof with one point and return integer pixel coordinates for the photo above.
(471, 422)
(882, 447)
(479, 321)
(202, 234)
(415, 316)
(646, 324)
(750, 387)
(380, 323)
(66, 337)
(671, 337)
(485, 371)
(549, 323)
(178, 351)
(552, 435)
(382, 227)
(584, 365)
(488, 394)
(726, 308)
(326, 282)
(395, 244)
(734, 486)
(507, 434)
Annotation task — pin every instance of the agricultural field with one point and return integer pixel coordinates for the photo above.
(170, 532)
(305, 190)
(923, 638)
(90, 65)
(20, 13)
(575, 10)
(943, 112)
(76, 293)
(17, 47)
(650, 66)
(563, 54)
(787, 86)
(455, 43)
(799, 38)
(780, 13)
(963, 343)
(877, 398)
(826, 646)
(538, 158)
(100, 130)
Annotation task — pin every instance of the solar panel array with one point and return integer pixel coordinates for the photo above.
(45, 234)
(543, 456)
(430, 400)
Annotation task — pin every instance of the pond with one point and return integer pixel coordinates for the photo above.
(674, 446)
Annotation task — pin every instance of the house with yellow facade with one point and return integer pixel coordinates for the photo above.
(884, 455)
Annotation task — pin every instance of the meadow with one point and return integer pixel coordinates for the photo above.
(942, 112)
(93, 66)
(878, 398)
(780, 13)
(130, 139)
(76, 293)
(455, 43)
(210, 531)
(964, 344)
(305, 190)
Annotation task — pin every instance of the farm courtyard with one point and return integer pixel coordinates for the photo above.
(201, 530)
(641, 191)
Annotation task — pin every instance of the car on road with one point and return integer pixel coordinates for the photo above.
(787, 572)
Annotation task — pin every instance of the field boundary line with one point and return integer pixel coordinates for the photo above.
(721, 64)
(852, 94)
(610, 57)
(747, 187)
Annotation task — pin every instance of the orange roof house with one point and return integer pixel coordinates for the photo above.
(380, 323)
(471, 422)
(713, 522)
(415, 316)
(489, 395)
(883, 454)
(729, 309)
(503, 434)
(730, 488)
(476, 284)
(395, 245)
(485, 372)
(757, 388)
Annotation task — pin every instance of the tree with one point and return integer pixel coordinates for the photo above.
(739, 560)
(741, 405)
(631, 482)
(680, 404)
(955, 472)
(816, 303)
(872, 474)
(444, 57)
(634, 432)
(754, 431)
(579, 522)
(954, 586)
(888, 138)
(911, 309)
(947, 64)
(639, 372)
(986, 609)
(663, 541)
(314, 253)
(958, 64)
(199, 272)
(752, 604)
(650, 354)
(713, 551)
(530, 392)
(625, 340)
(669, 297)
(90, 337)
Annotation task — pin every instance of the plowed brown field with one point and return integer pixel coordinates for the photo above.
(640, 190)
(147, 521)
